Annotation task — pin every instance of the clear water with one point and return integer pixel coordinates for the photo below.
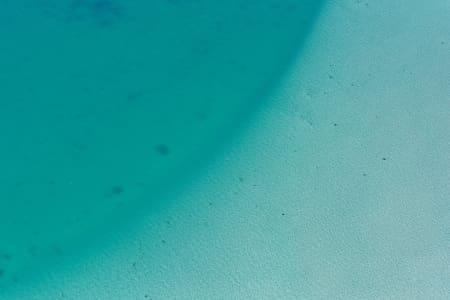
(106, 104)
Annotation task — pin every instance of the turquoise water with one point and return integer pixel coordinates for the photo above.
(106, 105)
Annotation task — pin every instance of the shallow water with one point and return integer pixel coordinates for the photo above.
(104, 104)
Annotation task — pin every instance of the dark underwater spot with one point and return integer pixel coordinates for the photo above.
(162, 149)
(5, 256)
(115, 190)
(99, 12)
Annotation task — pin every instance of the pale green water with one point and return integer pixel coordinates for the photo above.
(105, 105)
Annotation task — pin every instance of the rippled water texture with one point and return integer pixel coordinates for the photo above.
(104, 104)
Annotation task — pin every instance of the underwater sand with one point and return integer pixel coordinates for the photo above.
(322, 173)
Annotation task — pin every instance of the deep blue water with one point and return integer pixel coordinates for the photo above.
(106, 104)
